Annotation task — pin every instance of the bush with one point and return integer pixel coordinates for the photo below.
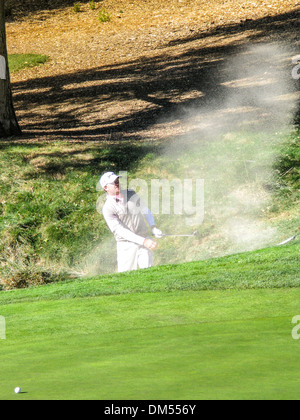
(77, 7)
(104, 16)
(287, 166)
(29, 278)
(92, 5)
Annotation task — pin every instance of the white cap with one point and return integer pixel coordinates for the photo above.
(108, 178)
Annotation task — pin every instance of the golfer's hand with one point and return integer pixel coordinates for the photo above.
(148, 243)
(157, 232)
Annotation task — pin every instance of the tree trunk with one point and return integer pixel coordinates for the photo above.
(8, 122)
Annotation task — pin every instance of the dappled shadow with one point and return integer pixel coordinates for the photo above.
(44, 162)
(94, 160)
(17, 9)
(267, 26)
(143, 96)
(123, 101)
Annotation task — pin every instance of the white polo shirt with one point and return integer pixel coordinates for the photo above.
(125, 216)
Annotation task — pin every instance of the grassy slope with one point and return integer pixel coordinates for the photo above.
(53, 188)
(267, 268)
(64, 343)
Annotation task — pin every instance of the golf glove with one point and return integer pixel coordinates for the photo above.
(157, 233)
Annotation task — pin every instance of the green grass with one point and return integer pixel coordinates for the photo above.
(276, 267)
(20, 61)
(49, 222)
(157, 334)
(48, 201)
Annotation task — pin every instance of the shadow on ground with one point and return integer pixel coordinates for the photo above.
(124, 101)
(16, 9)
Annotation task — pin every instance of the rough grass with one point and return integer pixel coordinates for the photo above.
(126, 81)
(48, 201)
(49, 222)
(50, 226)
(263, 269)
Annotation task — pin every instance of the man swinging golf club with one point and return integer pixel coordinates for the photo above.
(127, 218)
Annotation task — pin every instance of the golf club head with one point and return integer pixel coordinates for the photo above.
(288, 240)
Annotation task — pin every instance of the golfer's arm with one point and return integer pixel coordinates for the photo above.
(117, 228)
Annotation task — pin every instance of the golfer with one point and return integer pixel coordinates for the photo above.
(127, 218)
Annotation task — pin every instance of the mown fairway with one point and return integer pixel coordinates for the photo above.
(62, 343)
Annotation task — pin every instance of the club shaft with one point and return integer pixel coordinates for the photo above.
(186, 236)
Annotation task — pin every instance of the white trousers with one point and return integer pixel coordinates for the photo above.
(132, 256)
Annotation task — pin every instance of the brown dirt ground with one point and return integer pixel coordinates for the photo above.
(121, 79)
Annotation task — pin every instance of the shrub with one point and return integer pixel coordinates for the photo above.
(77, 7)
(92, 5)
(30, 278)
(104, 16)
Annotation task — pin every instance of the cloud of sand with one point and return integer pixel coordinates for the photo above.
(231, 143)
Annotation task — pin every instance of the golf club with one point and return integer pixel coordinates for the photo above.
(287, 240)
(184, 235)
